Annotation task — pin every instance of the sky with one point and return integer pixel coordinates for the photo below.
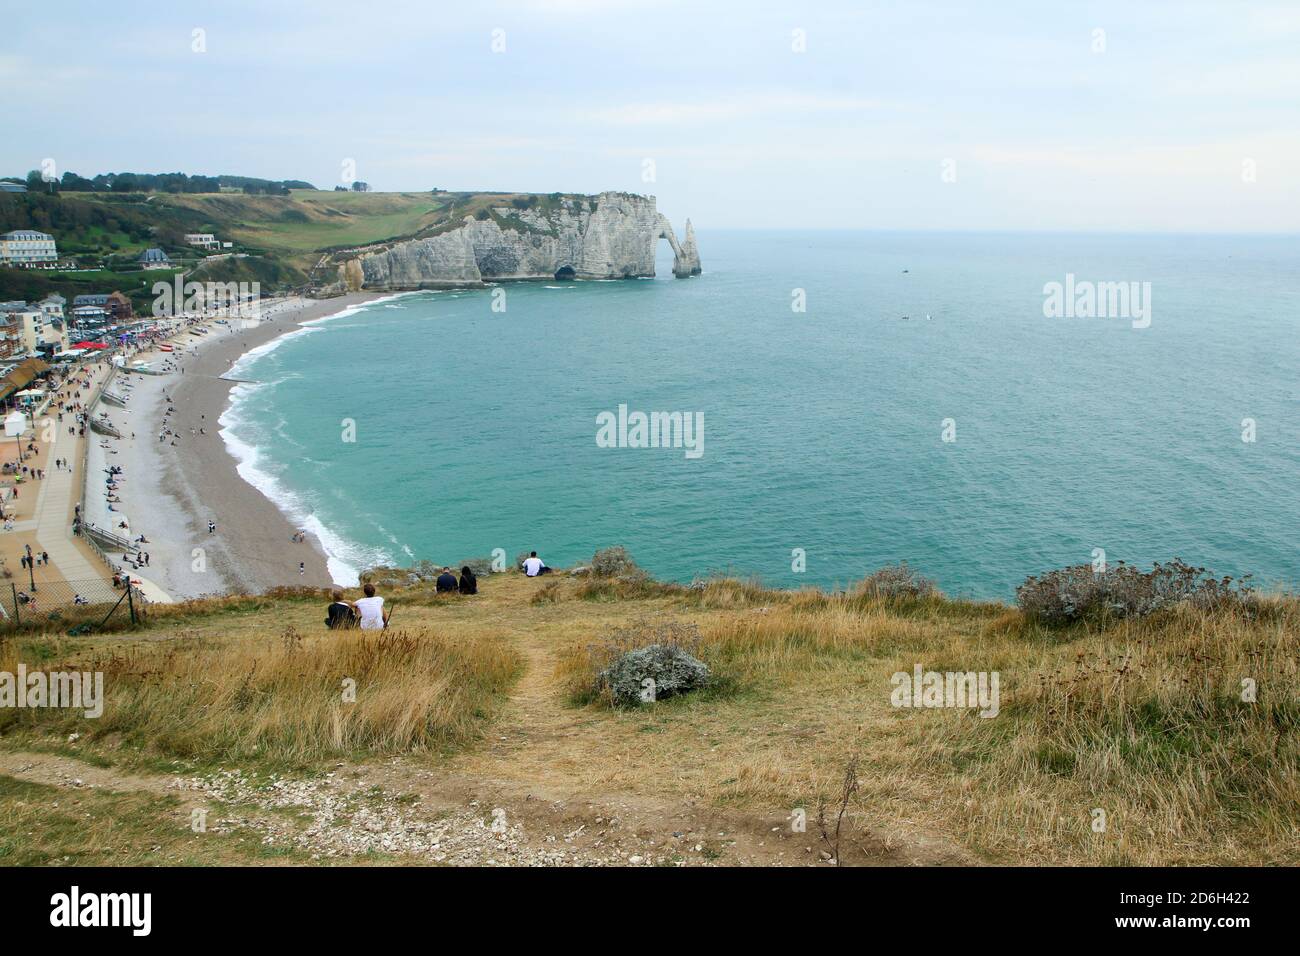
(1140, 115)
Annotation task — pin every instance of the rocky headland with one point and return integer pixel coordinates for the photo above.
(609, 236)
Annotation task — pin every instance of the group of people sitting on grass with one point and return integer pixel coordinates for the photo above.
(368, 612)
(446, 583)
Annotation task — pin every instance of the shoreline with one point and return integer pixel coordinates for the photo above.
(176, 486)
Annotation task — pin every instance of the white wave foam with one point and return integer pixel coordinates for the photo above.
(343, 558)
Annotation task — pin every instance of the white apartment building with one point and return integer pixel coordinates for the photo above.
(30, 328)
(204, 240)
(27, 247)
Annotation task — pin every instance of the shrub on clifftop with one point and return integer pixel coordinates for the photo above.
(896, 581)
(653, 673)
(1083, 593)
(615, 668)
(614, 562)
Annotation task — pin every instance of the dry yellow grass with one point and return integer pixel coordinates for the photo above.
(1144, 720)
(287, 698)
(1147, 722)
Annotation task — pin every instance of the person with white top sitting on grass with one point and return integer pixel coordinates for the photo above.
(371, 610)
(533, 565)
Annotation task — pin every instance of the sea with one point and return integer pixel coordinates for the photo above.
(856, 399)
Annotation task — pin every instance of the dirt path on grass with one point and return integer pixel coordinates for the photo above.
(408, 815)
(550, 785)
(554, 769)
(57, 771)
(425, 816)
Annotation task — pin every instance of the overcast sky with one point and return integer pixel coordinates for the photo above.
(1163, 129)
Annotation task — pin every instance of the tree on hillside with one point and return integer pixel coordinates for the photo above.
(71, 182)
(161, 182)
(36, 184)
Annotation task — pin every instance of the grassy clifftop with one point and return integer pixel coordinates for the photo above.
(1133, 742)
(284, 235)
(309, 221)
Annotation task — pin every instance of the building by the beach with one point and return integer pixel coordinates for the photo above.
(28, 249)
(89, 317)
(204, 240)
(14, 377)
(53, 305)
(115, 306)
(11, 347)
(29, 330)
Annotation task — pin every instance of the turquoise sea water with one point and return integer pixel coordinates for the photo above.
(823, 430)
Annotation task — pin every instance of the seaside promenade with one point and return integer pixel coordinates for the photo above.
(60, 491)
(174, 475)
(44, 510)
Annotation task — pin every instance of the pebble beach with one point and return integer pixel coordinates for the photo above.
(175, 486)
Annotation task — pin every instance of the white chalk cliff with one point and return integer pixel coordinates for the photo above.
(610, 236)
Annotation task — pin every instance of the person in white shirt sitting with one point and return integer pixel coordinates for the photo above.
(533, 565)
(371, 610)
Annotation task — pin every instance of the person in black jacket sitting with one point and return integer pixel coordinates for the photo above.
(446, 581)
(341, 615)
(468, 583)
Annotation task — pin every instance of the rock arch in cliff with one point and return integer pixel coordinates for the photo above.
(686, 259)
(565, 272)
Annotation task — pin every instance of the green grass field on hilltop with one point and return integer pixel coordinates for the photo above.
(308, 221)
